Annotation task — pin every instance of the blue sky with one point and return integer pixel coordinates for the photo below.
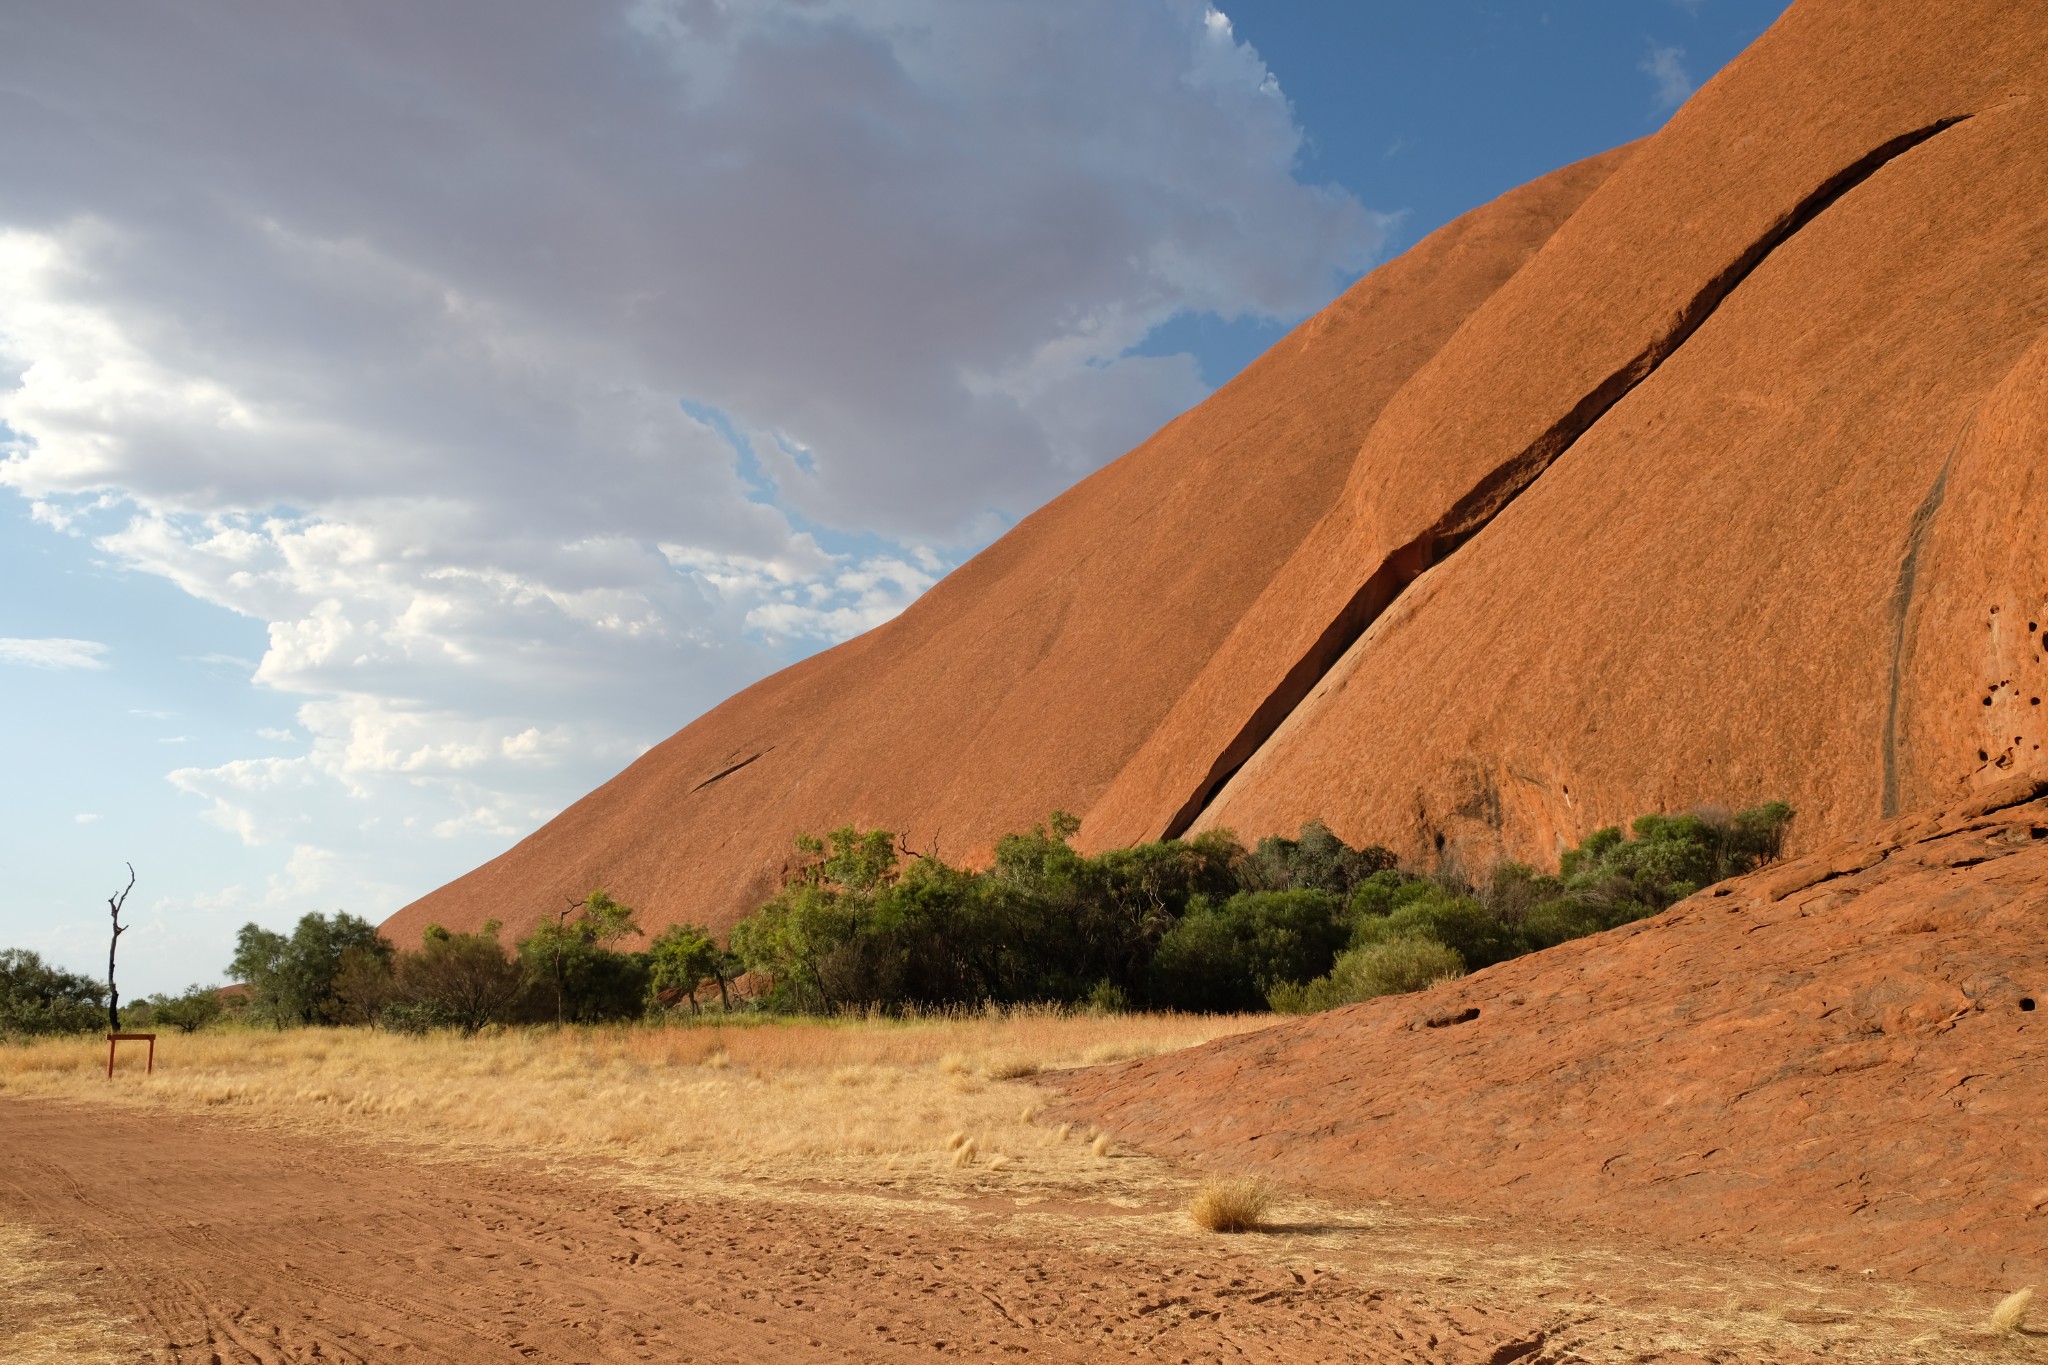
(410, 417)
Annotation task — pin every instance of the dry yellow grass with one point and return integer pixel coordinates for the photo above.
(904, 1119)
(1237, 1204)
(43, 1323)
(2011, 1313)
(861, 1102)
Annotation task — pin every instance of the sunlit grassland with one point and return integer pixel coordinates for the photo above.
(873, 1102)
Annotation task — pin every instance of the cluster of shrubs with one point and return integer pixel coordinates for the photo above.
(339, 970)
(1201, 924)
(36, 998)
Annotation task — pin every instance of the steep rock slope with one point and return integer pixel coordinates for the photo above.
(1682, 453)
(1842, 1060)
(1027, 678)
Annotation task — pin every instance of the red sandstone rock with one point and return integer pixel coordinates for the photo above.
(1691, 473)
(1842, 1060)
(1667, 476)
(1022, 682)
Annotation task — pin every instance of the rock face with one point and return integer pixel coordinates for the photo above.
(1024, 680)
(1701, 471)
(1842, 1059)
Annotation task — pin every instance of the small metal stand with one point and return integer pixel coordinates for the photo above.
(113, 1038)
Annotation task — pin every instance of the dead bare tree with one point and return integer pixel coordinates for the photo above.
(114, 904)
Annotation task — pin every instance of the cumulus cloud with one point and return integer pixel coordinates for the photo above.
(1665, 66)
(540, 374)
(52, 652)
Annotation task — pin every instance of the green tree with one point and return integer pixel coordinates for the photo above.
(464, 980)
(681, 958)
(36, 998)
(292, 976)
(365, 984)
(575, 959)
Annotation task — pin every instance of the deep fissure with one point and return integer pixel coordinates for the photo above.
(728, 772)
(1491, 495)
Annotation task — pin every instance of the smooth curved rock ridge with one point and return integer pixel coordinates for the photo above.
(1848, 98)
(1024, 680)
(1841, 1060)
(1696, 602)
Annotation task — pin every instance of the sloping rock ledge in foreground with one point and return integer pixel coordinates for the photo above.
(1839, 1060)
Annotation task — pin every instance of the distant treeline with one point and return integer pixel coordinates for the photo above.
(1199, 924)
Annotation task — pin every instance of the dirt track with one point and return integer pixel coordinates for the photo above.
(227, 1243)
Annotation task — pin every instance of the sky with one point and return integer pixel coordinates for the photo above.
(409, 414)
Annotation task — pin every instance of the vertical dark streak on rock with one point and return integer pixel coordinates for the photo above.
(1901, 610)
(1490, 496)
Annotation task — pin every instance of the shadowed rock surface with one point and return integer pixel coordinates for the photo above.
(1842, 1059)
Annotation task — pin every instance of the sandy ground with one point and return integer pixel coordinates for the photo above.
(208, 1237)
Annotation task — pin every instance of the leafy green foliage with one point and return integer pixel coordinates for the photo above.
(1197, 924)
(36, 998)
(463, 981)
(681, 959)
(189, 1012)
(574, 959)
(1229, 956)
(292, 977)
(1408, 931)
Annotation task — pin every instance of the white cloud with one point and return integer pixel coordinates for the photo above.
(541, 374)
(273, 733)
(1666, 67)
(84, 817)
(54, 652)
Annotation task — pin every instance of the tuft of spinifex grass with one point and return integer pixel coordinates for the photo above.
(2011, 1313)
(1235, 1204)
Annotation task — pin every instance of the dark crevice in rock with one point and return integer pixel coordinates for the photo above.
(1490, 496)
(729, 771)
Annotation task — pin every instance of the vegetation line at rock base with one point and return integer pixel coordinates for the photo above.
(1202, 925)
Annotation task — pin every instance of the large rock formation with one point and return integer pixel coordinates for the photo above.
(1030, 675)
(1838, 1059)
(1699, 471)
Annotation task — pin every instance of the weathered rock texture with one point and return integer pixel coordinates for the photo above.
(1842, 1059)
(1701, 471)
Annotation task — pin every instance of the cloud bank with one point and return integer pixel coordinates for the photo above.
(540, 374)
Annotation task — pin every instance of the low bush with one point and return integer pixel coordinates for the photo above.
(187, 1013)
(1238, 1204)
(1410, 932)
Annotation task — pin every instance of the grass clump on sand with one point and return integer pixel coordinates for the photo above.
(2011, 1313)
(1233, 1204)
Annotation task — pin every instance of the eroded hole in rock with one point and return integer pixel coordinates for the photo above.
(1463, 1016)
(1982, 755)
(2038, 832)
(1439, 843)
(2027, 1003)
